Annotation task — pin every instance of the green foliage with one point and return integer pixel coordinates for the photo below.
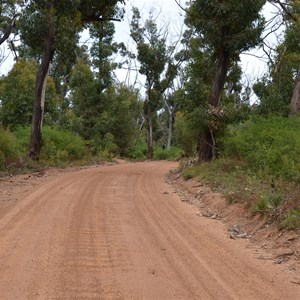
(94, 10)
(267, 203)
(239, 21)
(151, 47)
(86, 103)
(17, 93)
(57, 145)
(8, 18)
(108, 145)
(259, 167)
(218, 32)
(275, 89)
(189, 173)
(138, 152)
(114, 111)
(101, 51)
(269, 145)
(174, 153)
(9, 152)
(60, 145)
(124, 110)
(38, 19)
(156, 63)
(185, 135)
(291, 219)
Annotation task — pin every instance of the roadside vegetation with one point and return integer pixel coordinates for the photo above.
(64, 148)
(258, 165)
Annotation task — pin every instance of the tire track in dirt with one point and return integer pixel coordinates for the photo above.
(210, 262)
(120, 232)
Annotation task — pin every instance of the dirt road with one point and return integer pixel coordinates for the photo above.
(119, 232)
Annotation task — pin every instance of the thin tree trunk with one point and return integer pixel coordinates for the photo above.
(170, 132)
(207, 145)
(295, 101)
(170, 123)
(36, 140)
(44, 95)
(149, 131)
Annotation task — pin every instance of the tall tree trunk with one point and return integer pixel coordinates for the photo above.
(36, 140)
(207, 145)
(149, 131)
(220, 77)
(170, 131)
(295, 101)
(170, 122)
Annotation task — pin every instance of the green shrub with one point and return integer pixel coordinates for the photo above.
(138, 152)
(270, 145)
(189, 173)
(164, 154)
(108, 144)
(2, 160)
(58, 145)
(267, 203)
(22, 134)
(291, 219)
(9, 150)
(61, 145)
(185, 135)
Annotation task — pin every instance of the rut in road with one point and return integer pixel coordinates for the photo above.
(120, 232)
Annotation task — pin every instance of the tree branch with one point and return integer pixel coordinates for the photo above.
(284, 8)
(8, 30)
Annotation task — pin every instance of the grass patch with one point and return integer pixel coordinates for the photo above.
(291, 219)
(259, 191)
(189, 173)
(267, 203)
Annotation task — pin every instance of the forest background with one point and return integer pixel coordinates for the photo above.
(76, 93)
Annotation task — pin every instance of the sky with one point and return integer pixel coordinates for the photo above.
(169, 12)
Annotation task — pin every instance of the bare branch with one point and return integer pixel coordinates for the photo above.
(284, 8)
(181, 7)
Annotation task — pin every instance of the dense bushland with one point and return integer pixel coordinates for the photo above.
(267, 145)
(60, 148)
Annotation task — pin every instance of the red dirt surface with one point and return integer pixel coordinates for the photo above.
(121, 232)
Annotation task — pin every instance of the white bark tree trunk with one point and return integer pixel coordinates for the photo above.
(295, 101)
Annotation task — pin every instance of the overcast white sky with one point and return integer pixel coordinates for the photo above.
(170, 13)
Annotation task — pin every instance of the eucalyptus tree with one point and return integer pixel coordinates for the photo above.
(123, 115)
(17, 93)
(224, 29)
(289, 60)
(101, 52)
(50, 27)
(92, 80)
(156, 64)
(279, 90)
(9, 13)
